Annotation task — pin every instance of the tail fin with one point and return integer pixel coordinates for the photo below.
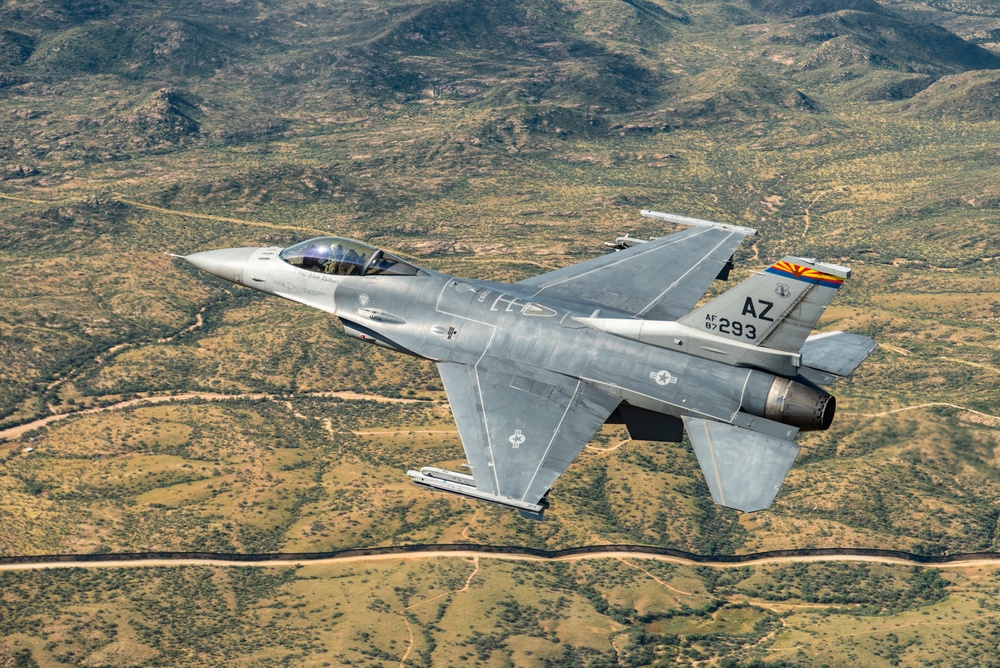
(777, 308)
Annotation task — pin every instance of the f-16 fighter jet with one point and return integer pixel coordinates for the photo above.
(534, 368)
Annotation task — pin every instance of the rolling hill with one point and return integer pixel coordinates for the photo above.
(497, 139)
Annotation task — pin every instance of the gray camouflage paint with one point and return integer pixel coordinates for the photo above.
(533, 369)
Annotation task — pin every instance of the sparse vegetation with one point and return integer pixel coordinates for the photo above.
(588, 613)
(496, 140)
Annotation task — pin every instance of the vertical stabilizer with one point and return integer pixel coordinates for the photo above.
(775, 309)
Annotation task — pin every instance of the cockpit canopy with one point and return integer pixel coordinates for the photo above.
(345, 257)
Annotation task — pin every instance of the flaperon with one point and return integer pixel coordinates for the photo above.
(533, 369)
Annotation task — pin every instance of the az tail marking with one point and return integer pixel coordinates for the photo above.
(748, 309)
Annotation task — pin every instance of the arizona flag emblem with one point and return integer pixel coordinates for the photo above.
(800, 273)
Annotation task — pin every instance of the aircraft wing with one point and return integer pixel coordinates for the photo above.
(660, 279)
(520, 426)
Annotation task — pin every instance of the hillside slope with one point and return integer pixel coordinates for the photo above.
(495, 140)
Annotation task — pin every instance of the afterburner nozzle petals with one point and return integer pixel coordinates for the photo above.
(227, 263)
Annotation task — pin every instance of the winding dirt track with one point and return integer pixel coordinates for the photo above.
(15, 432)
(928, 405)
(477, 552)
(428, 552)
(12, 433)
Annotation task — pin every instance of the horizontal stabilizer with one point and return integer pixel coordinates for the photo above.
(744, 469)
(834, 354)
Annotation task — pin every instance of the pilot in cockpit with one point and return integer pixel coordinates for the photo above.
(344, 257)
(333, 263)
(352, 264)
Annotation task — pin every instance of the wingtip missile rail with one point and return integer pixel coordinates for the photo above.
(697, 222)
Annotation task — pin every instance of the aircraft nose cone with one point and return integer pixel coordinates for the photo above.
(227, 263)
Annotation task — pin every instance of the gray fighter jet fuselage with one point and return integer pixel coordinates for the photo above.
(533, 369)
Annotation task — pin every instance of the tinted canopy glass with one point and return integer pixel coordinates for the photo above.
(345, 257)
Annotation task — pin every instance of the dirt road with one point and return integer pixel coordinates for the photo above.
(12, 433)
(472, 553)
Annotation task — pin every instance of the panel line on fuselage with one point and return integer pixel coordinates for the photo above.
(493, 327)
(598, 383)
(743, 392)
(489, 344)
(437, 307)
